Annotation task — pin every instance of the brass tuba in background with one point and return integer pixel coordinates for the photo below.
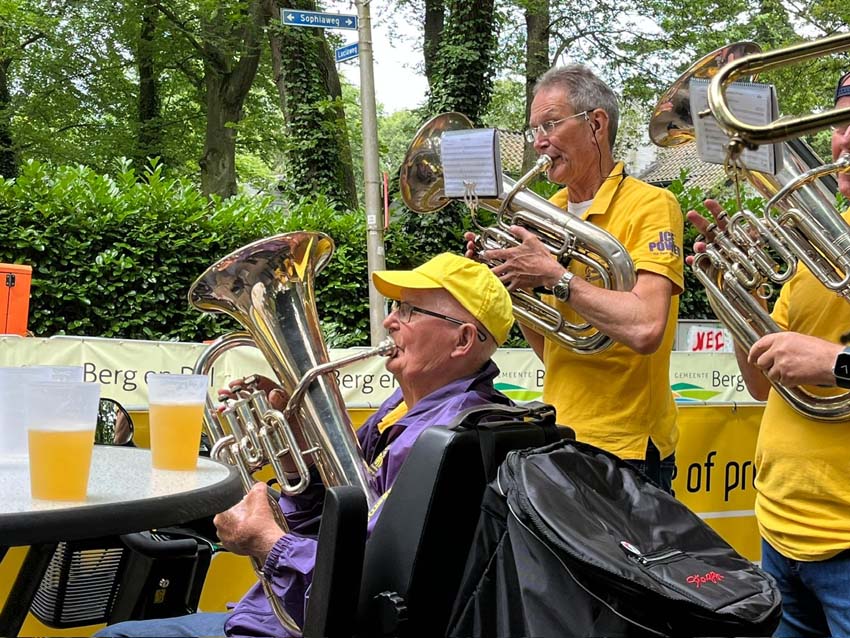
(567, 237)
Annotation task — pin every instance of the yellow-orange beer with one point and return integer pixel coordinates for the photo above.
(175, 435)
(59, 463)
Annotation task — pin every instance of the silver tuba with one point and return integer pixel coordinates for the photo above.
(567, 237)
(267, 286)
(757, 250)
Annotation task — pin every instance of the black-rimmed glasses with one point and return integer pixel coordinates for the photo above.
(547, 128)
(404, 310)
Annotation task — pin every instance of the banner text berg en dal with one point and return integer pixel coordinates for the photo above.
(714, 455)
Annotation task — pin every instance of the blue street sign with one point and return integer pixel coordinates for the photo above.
(293, 18)
(347, 52)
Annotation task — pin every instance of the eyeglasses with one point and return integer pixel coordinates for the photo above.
(404, 310)
(547, 128)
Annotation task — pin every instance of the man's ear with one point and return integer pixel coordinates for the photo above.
(598, 121)
(466, 337)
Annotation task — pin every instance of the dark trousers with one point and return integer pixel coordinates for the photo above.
(660, 471)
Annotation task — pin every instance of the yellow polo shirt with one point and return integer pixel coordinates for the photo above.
(803, 489)
(617, 399)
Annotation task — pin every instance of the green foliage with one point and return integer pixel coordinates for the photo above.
(464, 67)
(114, 256)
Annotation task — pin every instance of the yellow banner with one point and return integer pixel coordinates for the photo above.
(121, 367)
(715, 472)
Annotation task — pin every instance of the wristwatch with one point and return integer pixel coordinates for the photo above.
(841, 369)
(561, 290)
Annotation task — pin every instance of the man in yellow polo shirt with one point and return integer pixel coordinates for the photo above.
(619, 399)
(803, 471)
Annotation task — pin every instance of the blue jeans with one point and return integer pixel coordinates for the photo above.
(660, 471)
(815, 594)
(200, 624)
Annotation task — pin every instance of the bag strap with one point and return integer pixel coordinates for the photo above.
(487, 419)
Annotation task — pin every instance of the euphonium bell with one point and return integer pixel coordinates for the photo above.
(268, 287)
(567, 237)
(799, 223)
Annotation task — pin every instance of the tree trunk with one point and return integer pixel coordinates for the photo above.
(435, 12)
(8, 155)
(463, 70)
(227, 84)
(149, 142)
(318, 155)
(536, 61)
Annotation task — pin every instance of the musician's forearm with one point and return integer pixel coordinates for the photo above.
(636, 318)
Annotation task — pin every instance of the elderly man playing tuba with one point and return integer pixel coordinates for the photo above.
(449, 316)
(802, 493)
(619, 399)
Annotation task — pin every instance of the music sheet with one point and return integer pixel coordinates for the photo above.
(471, 157)
(752, 103)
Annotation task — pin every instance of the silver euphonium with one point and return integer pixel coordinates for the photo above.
(268, 287)
(757, 250)
(567, 237)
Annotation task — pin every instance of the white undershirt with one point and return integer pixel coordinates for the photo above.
(578, 209)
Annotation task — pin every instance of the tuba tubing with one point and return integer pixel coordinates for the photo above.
(783, 129)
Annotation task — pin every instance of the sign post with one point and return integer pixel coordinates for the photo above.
(371, 174)
(362, 23)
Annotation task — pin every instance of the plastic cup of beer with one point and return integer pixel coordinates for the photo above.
(13, 411)
(61, 419)
(176, 414)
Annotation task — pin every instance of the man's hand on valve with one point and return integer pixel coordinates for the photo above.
(278, 399)
(249, 527)
(525, 266)
(704, 225)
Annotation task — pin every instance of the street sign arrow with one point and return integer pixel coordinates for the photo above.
(347, 52)
(294, 18)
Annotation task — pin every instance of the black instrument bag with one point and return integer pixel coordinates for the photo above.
(573, 541)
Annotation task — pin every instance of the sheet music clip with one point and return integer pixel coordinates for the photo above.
(470, 197)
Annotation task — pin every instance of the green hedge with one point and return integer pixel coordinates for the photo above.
(114, 255)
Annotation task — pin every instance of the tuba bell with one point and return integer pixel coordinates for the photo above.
(268, 287)
(799, 222)
(567, 237)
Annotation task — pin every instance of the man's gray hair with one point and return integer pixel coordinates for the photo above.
(585, 92)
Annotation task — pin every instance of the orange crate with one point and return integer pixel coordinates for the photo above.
(15, 282)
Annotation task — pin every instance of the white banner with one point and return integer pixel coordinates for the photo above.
(121, 367)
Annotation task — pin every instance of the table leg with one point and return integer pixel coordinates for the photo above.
(26, 584)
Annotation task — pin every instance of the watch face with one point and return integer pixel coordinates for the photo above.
(842, 365)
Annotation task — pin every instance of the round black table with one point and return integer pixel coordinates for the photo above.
(125, 495)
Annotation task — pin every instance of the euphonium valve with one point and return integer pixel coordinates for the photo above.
(567, 237)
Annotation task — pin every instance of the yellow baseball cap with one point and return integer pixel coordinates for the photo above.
(469, 282)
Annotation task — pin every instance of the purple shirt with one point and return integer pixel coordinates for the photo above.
(290, 562)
